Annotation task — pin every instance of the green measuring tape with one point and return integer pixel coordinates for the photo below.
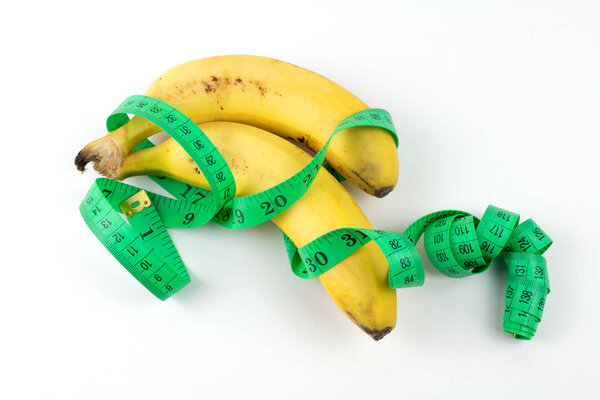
(457, 243)
(156, 264)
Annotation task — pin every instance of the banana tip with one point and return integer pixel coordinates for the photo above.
(384, 191)
(377, 334)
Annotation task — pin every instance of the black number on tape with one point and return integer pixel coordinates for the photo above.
(350, 241)
(189, 217)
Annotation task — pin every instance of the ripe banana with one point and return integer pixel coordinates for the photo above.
(282, 98)
(260, 160)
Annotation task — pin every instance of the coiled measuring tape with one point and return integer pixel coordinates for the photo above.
(457, 243)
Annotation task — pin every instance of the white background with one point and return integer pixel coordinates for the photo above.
(496, 102)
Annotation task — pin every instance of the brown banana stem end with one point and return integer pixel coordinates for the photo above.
(106, 155)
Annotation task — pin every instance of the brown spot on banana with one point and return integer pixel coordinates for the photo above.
(357, 174)
(215, 84)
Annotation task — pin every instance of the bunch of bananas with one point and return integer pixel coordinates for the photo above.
(252, 108)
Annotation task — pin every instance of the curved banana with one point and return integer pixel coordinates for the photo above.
(282, 98)
(260, 160)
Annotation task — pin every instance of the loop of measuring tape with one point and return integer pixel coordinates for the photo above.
(527, 284)
(143, 247)
(457, 243)
(192, 206)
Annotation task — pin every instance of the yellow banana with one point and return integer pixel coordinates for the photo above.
(282, 98)
(260, 160)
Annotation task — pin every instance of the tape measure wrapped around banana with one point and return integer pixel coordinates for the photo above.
(279, 97)
(223, 163)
